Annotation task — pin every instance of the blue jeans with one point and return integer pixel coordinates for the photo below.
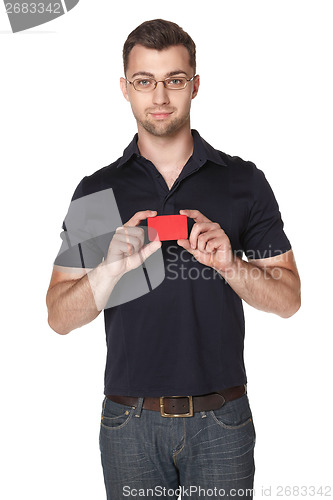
(207, 456)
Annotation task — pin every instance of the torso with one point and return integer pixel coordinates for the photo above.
(170, 176)
(170, 180)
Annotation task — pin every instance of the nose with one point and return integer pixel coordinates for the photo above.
(160, 94)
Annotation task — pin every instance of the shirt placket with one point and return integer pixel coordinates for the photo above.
(166, 195)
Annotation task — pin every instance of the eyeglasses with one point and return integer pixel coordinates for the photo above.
(149, 84)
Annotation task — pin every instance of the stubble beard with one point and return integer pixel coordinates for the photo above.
(161, 129)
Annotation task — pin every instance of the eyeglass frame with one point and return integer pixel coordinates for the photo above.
(160, 81)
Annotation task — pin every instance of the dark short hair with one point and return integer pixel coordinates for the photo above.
(159, 34)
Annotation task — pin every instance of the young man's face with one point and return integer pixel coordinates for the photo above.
(161, 112)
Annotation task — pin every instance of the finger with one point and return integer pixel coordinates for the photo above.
(150, 248)
(216, 245)
(125, 246)
(208, 237)
(221, 251)
(121, 249)
(195, 214)
(138, 258)
(185, 244)
(199, 228)
(140, 216)
(130, 234)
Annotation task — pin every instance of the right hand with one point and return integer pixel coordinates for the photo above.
(126, 250)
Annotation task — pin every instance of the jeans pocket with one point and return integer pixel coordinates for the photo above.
(234, 414)
(115, 415)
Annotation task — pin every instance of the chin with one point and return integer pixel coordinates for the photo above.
(163, 130)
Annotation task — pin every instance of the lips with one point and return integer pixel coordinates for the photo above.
(161, 115)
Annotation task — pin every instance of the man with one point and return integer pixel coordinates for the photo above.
(176, 416)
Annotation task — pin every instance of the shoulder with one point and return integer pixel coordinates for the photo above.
(97, 181)
(238, 163)
(248, 177)
(239, 168)
(244, 176)
(235, 164)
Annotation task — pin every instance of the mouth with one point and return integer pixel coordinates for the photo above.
(160, 115)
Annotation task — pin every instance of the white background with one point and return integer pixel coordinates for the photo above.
(266, 95)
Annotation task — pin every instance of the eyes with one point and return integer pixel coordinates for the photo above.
(176, 81)
(169, 83)
(143, 83)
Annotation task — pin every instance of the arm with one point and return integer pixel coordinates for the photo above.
(70, 300)
(76, 296)
(272, 284)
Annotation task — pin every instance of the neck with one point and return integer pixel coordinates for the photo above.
(166, 152)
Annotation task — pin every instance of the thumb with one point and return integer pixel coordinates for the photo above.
(195, 215)
(149, 249)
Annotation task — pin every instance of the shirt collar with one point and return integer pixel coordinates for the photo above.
(131, 150)
(202, 151)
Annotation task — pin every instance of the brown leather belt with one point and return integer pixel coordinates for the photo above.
(183, 406)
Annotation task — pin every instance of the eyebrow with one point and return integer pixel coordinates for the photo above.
(167, 75)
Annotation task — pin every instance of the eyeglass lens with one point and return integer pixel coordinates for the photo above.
(146, 84)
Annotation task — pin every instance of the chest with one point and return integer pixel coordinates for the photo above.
(210, 189)
(170, 176)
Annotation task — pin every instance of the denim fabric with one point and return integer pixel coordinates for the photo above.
(209, 455)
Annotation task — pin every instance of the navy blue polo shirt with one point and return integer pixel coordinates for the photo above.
(186, 336)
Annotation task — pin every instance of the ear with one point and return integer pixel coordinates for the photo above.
(123, 87)
(196, 84)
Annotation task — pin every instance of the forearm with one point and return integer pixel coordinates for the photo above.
(72, 304)
(275, 290)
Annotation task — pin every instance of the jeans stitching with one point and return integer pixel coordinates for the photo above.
(131, 412)
(176, 453)
(226, 426)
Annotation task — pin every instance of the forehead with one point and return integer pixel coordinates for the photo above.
(159, 62)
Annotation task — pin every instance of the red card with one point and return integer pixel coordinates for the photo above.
(167, 227)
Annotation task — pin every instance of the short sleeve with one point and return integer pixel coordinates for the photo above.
(264, 235)
(88, 228)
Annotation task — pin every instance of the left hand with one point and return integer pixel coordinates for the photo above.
(207, 242)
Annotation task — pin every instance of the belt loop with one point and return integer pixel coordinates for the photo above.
(139, 408)
(104, 403)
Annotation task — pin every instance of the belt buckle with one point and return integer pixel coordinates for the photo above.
(188, 414)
